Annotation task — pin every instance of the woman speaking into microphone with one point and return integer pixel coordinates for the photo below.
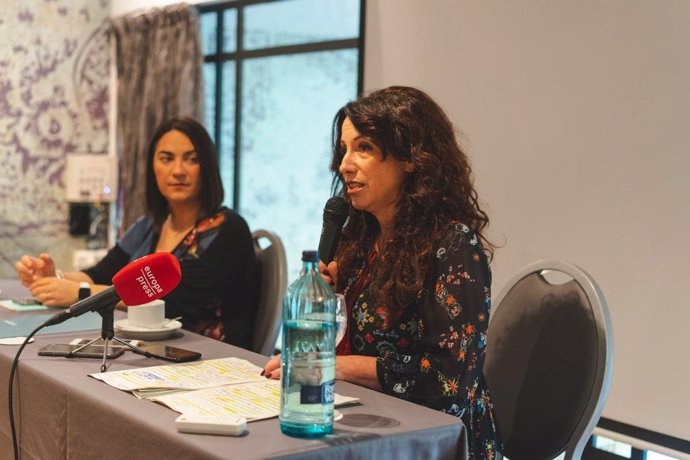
(219, 291)
(412, 261)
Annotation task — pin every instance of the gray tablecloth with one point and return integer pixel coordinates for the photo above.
(61, 412)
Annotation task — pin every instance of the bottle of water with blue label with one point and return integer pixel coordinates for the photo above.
(308, 354)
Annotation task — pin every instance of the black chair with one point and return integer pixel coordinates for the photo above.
(273, 263)
(549, 361)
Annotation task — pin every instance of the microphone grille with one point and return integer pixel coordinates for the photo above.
(336, 210)
(147, 278)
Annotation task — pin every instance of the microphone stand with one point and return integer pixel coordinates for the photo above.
(107, 334)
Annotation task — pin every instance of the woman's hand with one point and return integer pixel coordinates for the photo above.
(357, 369)
(352, 368)
(272, 368)
(329, 272)
(53, 292)
(30, 269)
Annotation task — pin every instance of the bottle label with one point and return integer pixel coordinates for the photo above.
(317, 394)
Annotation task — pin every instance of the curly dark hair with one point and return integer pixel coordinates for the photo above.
(211, 193)
(406, 123)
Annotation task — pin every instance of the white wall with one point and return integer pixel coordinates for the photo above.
(120, 7)
(576, 116)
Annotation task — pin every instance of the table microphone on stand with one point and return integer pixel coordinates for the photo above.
(142, 280)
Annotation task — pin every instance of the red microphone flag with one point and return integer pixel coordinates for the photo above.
(147, 278)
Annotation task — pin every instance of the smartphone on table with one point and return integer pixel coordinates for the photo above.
(111, 344)
(168, 353)
(27, 301)
(92, 351)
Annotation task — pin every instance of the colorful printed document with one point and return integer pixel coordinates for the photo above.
(253, 400)
(183, 376)
(210, 387)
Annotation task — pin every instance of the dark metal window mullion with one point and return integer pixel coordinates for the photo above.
(218, 67)
(360, 47)
(332, 45)
(238, 108)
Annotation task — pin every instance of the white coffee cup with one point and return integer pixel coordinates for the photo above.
(150, 315)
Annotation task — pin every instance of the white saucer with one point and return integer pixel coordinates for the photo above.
(134, 332)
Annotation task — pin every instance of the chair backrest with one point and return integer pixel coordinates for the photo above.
(549, 361)
(273, 263)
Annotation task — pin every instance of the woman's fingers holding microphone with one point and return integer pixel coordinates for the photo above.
(329, 272)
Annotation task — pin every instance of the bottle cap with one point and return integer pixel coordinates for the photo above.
(310, 256)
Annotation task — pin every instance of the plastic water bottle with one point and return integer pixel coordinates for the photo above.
(308, 355)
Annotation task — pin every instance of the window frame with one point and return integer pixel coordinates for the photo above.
(240, 55)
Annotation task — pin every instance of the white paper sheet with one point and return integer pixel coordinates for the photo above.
(212, 387)
(184, 376)
(253, 400)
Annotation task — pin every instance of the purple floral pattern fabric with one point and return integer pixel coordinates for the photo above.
(54, 75)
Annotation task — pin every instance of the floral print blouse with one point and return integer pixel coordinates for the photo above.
(218, 295)
(432, 352)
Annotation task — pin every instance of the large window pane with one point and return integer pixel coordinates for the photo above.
(208, 27)
(227, 130)
(230, 31)
(287, 103)
(210, 97)
(286, 128)
(294, 22)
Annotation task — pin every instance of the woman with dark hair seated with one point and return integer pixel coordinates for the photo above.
(219, 291)
(412, 261)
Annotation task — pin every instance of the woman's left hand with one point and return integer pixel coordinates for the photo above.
(53, 292)
(272, 368)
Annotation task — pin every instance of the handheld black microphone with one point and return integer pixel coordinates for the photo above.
(334, 216)
(143, 280)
